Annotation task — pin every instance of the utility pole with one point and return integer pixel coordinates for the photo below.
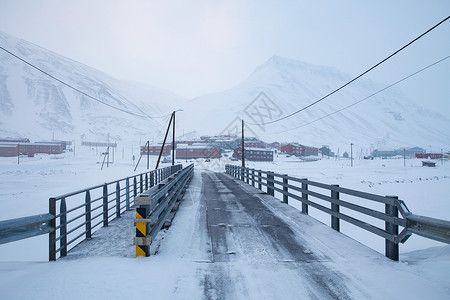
(173, 140)
(148, 154)
(351, 154)
(243, 148)
(404, 157)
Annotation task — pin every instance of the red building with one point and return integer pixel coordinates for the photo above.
(9, 150)
(299, 150)
(156, 149)
(429, 155)
(30, 149)
(197, 151)
(254, 154)
(14, 140)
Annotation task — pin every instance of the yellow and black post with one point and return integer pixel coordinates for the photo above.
(142, 229)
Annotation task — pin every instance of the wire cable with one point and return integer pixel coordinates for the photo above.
(354, 79)
(76, 89)
(376, 93)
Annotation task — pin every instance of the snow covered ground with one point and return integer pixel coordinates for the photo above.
(25, 189)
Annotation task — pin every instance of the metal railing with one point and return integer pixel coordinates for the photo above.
(155, 205)
(75, 216)
(306, 191)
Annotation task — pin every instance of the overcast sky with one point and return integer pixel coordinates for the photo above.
(200, 46)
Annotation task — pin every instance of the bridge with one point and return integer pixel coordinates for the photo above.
(229, 240)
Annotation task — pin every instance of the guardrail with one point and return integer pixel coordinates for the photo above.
(155, 205)
(73, 217)
(302, 191)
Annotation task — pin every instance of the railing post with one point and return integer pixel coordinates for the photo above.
(117, 200)
(335, 222)
(391, 249)
(247, 175)
(87, 202)
(285, 189)
(304, 196)
(146, 181)
(63, 228)
(253, 177)
(134, 187)
(152, 179)
(105, 205)
(259, 180)
(270, 183)
(141, 187)
(127, 197)
(52, 235)
(242, 174)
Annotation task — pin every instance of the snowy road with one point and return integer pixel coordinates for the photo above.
(244, 231)
(227, 241)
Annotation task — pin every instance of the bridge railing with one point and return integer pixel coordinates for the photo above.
(75, 216)
(374, 210)
(155, 205)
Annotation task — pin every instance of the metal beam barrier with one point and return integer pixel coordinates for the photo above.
(431, 228)
(155, 206)
(22, 228)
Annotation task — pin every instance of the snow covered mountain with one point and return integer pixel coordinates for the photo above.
(37, 106)
(282, 86)
(34, 105)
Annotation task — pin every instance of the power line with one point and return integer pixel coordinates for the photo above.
(76, 89)
(354, 79)
(376, 93)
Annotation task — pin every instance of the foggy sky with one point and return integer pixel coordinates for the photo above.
(196, 47)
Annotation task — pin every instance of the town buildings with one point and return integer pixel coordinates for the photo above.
(254, 154)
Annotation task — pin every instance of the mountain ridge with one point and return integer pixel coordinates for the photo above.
(275, 89)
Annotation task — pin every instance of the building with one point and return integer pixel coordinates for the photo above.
(254, 154)
(9, 150)
(429, 155)
(29, 149)
(299, 150)
(14, 140)
(156, 149)
(274, 145)
(197, 151)
(63, 143)
(99, 144)
(384, 153)
(411, 152)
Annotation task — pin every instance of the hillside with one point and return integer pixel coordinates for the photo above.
(37, 106)
(388, 119)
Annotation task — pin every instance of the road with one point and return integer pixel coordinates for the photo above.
(231, 241)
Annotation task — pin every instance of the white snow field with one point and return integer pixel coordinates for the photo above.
(182, 263)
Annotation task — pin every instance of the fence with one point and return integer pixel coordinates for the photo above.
(302, 190)
(73, 217)
(155, 206)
